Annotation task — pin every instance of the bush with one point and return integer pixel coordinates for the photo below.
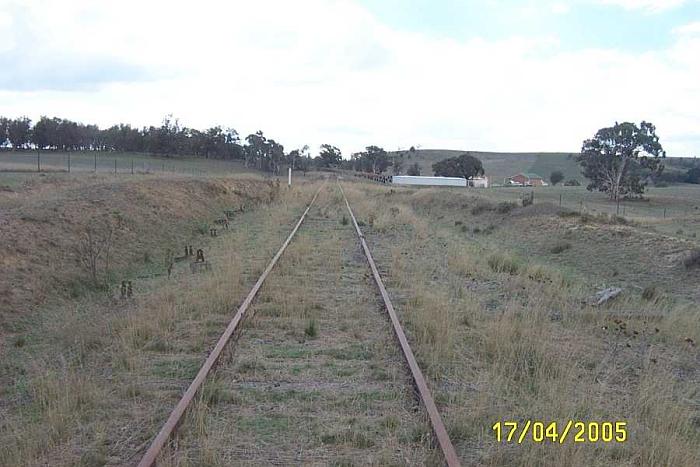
(572, 182)
(692, 261)
(560, 247)
(202, 228)
(344, 221)
(556, 177)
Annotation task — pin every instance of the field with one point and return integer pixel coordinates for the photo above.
(114, 162)
(494, 298)
(501, 165)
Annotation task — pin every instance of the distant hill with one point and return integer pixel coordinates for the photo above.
(499, 165)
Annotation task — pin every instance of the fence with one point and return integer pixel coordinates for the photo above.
(584, 202)
(52, 162)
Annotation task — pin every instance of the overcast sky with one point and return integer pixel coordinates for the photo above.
(497, 75)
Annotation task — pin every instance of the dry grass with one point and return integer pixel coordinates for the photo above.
(315, 377)
(94, 377)
(516, 343)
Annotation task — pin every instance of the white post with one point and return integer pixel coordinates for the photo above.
(289, 180)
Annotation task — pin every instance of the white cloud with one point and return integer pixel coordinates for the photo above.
(650, 6)
(688, 29)
(560, 8)
(327, 71)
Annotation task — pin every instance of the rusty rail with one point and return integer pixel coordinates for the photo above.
(438, 426)
(151, 455)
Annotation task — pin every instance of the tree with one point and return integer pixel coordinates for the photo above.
(413, 169)
(3, 130)
(18, 132)
(330, 156)
(377, 159)
(465, 166)
(617, 157)
(397, 165)
(93, 248)
(556, 177)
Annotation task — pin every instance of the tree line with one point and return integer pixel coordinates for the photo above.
(168, 139)
(173, 139)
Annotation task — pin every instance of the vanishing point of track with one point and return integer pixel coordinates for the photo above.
(426, 399)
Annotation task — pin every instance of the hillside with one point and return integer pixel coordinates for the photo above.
(499, 165)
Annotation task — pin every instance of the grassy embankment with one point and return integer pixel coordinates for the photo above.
(496, 314)
(88, 378)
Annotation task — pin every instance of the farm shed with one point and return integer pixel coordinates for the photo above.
(525, 179)
(478, 182)
(428, 181)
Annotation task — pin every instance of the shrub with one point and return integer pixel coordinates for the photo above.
(202, 228)
(692, 261)
(556, 177)
(560, 247)
(572, 182)
(344, 220)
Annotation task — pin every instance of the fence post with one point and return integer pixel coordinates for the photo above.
(38, 161)
(132, 167)
(68, 161)
(618, 205)
(559, 199)
(95, 162)
(664, 213)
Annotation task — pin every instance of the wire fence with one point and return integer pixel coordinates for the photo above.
(669, 205)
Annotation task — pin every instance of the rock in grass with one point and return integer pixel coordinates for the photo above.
(604, 296)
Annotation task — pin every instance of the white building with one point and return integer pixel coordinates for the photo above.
(477, 182)
(428, 181)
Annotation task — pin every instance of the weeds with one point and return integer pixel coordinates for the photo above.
(505, 207)
(650, 293)
(560, 247)
(692, 261)
(311, 329)
(501, 262)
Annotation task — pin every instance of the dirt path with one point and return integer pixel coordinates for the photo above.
(316, 377)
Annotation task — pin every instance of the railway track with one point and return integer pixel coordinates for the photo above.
(316, 377)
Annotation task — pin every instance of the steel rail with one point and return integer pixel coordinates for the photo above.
(151, 455)
(438, 426)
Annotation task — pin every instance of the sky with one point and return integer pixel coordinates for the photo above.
(489, 75)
